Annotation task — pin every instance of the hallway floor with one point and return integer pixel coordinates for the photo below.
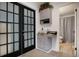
(67, 49)
(39, 53)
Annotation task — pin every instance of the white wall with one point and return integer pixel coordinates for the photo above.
(55, 27)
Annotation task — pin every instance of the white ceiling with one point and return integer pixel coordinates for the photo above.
(60, 4)
(69, 9)
(64, 7)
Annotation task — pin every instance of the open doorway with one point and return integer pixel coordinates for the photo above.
(67, 31)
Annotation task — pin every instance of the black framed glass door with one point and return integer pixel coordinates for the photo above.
(28, 29)
(15, 34)
(9, 29)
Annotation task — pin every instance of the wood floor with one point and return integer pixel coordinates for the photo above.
(36, 53)
(67, 49)
(39, 53)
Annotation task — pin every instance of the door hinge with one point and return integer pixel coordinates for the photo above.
(75, 48)
(76, 10)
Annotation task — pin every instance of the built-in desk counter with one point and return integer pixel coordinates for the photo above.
(44, 41)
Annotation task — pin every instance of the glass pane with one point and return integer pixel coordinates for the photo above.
(25, 20)
(2, 16)
(16, 27)
(16, 46)
(29, 35)
(25, 12)
(16, 36)
(3, 50)
(29, 13)
(16, 18)
(25, 44)
(10, 7)
(10, 27)
(25, 35)
(2, 38)
(3, 5)
(32, 34)
(29, 27)
(29, 21)
(32, 41)
(2, 27)
(32, 21)
(25, 27)
(10, 38)
(16, 9)
(10, 48)
(32, 13)
(10, 17)
(29, 42)
(32, 28)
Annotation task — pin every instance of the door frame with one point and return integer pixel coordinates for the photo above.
(75, 29)
(75, 43)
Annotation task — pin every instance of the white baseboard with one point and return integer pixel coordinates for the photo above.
(41, 50)
(49, 50)
(44, 50)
